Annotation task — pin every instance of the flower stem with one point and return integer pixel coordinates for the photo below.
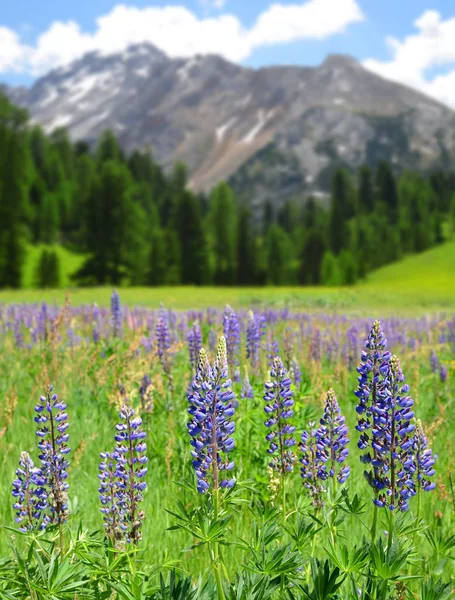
(375, 524)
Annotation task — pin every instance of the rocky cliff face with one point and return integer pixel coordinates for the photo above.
(273, 131)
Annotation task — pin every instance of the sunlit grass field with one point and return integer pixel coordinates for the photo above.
(420, 283)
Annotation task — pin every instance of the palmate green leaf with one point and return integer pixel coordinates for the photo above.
(390, 563)
(325, 581)
(435, 590)
(441, 545)
(348, 560)
(354, 506)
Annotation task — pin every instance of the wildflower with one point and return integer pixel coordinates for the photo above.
(116, 315)
(254, 333)
(443, 373)
(194, 345)
(424, 460)
(145, 393)
(30, 494)
(434, 361)
(392, 440)
(130, 471)
(163, 342)
(247, 390)
(312, 460)
(374, 358)
(231, 329)
(296, 372)
(278, 408)
(334, 437)
(211, 428)
(53, 437)
(109, 496)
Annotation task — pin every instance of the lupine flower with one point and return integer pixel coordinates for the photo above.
(255, 331)
(231, 329)
(273, 350)
(211, 428)
(194, 345)
(288, 347)
(296, 372)
(53, 437)
(278, 408)
(424, 460)
(443, 373)
(392, 440)
(372, 358)
(116, 315)
(145, 393)
(163, 342)
(29, 491)
(335, 439)
(247, 390)
(130, 471)
(212, 340)
(434, 361)
(313, 460)
(110, 496)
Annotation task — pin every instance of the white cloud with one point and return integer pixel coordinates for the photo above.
(178, 32)
(431, 47)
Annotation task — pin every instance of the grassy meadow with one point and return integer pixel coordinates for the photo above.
(95, 379)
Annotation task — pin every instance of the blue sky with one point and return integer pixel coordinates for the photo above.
(405, 40)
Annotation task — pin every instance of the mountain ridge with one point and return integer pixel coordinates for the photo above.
(221, 118)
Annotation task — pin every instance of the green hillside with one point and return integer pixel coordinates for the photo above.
(419, 283)
(69, 263)
(429, 274)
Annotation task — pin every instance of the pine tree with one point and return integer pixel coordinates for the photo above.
(313, 250)
(158, 265)
(246, 249)
(330, 273)
(276, 256)
(387, 192)
(108, 148)
(340, 211)
(366, 192)
(224, 227)
(193, 248)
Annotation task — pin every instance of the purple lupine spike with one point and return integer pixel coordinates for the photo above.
(231, 329)
(424, 460)
(116, 315)
(296, 372)
(145, 393)
(316, 346)
(273, 350)
(335, 439)
(211, 428)
(392, 440)
(312, 460)
(130, 471)
(288, 348)
(212, 340)
(163, 343)
(109, 497)
(254, 333)
(18, 337)
(434, 361)
(29, 492)
(279, 410)
(443, 373)
(53, 437)
(373, 357)
(247, 390)
(194, 345)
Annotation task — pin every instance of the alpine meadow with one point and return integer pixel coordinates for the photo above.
(227, 300)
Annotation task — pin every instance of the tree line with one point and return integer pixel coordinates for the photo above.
(137, 225)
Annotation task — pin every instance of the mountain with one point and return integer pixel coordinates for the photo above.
(273, 132)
